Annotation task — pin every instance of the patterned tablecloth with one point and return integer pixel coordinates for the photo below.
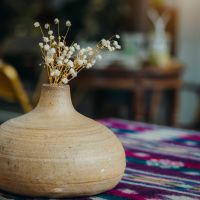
(162, 163)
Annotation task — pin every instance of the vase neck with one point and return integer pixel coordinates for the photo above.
(55, 100)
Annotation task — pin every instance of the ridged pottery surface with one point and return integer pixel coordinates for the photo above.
(54, 151)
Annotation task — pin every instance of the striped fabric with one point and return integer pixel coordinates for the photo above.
(162, 163)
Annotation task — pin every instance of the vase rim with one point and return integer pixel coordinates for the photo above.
(47, 85)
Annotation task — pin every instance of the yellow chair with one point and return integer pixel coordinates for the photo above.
(11, 88)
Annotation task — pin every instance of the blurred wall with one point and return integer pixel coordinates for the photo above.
(189, 52)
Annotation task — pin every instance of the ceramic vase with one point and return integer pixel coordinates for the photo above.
(54, 151)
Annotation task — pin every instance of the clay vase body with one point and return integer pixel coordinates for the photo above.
(54, 151)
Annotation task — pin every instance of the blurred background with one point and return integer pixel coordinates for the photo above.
(154, 78)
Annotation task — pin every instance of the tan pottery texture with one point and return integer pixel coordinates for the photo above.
(54, 151)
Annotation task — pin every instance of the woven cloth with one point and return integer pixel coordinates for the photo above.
(162, 163)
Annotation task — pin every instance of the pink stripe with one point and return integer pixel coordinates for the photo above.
(192, 165)
(192, 137)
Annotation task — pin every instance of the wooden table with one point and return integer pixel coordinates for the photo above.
(137, 81)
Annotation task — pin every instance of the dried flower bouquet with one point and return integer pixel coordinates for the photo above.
(62, 61)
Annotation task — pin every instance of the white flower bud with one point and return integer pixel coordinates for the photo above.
(117, 36)
(51, 37)
(52, 73)
(46, 47)
(41, 45)
(73, 72)
(85, 61)
(49, 60)
(80, 62)
(64, 52)
(70, 53)
(82, 51)
(53, 50)
(77, 46)
(36, 24)
(66, 61)
(70, 63)
(57, 72)
(56, 20)
(68, 23)
(65, 80)
(89, 65)
(115, 43)
(49, 54)
(59, 62)
(61, 58)
(109, 48)
(72, 49)
(68, 56)
(46, 39)
(61, 44)
(104, 43)
(46, 26)
(50, 32)
(118, 47)
(54, 43)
